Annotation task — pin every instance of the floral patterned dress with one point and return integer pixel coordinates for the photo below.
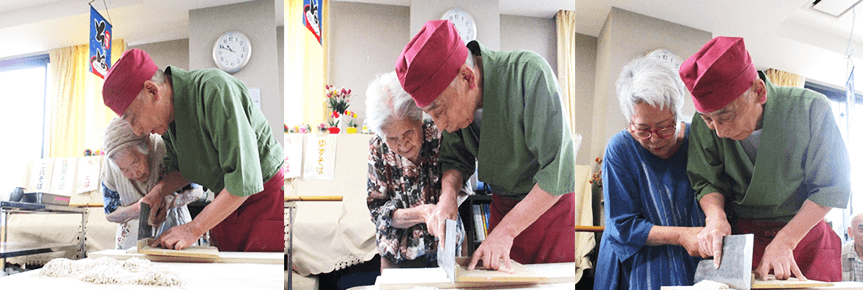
(394, 182)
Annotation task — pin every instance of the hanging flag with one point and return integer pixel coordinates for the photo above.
(100, 44)
(312, 17)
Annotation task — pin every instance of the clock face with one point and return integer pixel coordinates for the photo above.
(667, 55)
(232, 51)
(463, 22)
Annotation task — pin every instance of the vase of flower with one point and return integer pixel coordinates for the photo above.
(351, 130)
(343, 121)
(334, 130)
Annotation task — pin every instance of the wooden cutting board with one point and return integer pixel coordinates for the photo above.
(522, 274)
(407, 278)
(791, 283)
(198, 252)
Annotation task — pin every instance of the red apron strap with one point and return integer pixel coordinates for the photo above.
(818, 255)
(258, 224)
(550, 239)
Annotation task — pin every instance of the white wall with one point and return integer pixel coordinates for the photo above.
(363, 44)
(624, 36)
(257, 20)
(172, 52)
(486, 13)
(585, 70)
(530, 33)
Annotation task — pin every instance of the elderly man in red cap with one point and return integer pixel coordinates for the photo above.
(780, 192)
(502, 109)
(215, 136)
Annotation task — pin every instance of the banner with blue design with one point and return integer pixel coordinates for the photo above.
(100, 44)
(312, 18)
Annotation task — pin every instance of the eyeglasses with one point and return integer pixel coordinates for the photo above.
(663, 132)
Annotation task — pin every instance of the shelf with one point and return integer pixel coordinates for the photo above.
(13, 249)
(26, 207)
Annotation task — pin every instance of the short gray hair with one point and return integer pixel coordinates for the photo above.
(158, 77)
(652, 81)
(387, 101)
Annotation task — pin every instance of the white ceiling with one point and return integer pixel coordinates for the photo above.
(763, 19)
(35, 26)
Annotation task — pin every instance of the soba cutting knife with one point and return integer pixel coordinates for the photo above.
(144, 229)
(735, 267)
(446, 250)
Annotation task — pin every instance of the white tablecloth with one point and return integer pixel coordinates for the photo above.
(203, 276)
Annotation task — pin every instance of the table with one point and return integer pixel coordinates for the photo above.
(197, 276)
(15, 249)
(560, 276)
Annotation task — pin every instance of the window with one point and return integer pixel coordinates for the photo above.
(22, 113)
(839, 218)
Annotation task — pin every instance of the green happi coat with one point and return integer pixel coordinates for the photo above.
(218, 138)
(801, 156)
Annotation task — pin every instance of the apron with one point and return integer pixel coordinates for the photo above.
(258, 225)
(550, 239)
(818, 255)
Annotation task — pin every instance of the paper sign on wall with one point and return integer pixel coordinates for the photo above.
(63, 179)
(255, 94)
(88, 173)
(320, 157)
(40, 175)
(293, 155)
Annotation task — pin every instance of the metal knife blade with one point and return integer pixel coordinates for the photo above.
(446, 250)
(735, 268)
(144, 228)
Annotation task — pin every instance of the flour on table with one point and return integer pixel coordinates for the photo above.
(107, 270)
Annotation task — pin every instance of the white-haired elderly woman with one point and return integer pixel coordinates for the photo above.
(651, 215)
(132, 168)
(404, 180)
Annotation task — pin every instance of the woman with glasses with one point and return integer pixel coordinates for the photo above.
(404, 179)
(651, 215)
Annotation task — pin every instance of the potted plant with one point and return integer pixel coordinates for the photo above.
(338, 102)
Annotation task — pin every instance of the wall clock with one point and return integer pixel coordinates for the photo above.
(463, 22)
(232, 51)
(667, 55)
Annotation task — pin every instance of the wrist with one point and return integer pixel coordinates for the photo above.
(195, 228)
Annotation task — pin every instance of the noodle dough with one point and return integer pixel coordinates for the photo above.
(107, 270)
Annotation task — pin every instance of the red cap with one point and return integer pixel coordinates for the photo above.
(718, 73)
(126, 79)
(430, 62)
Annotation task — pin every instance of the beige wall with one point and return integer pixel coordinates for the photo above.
(172, 52)
(585, 70)
(624, 36)
(257, 20)
(530, 33)
(363, 44)
(486, 13)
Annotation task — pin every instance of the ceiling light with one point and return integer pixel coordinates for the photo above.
(835, 8)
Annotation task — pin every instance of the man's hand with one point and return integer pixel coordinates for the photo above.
(710, 239)
(495, 248)
(688, 239)
(178, 237)
(779, 256)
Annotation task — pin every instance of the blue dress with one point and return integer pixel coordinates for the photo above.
(641, 190)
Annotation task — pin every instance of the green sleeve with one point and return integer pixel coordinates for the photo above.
(170, 160)
(827, 164)
(547, 134)
(455, 155)
(705, 166)
(233, 136)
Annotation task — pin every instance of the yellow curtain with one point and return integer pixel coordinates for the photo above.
(784, 78)
(78, 115)
(565, 21)
(305, 63)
